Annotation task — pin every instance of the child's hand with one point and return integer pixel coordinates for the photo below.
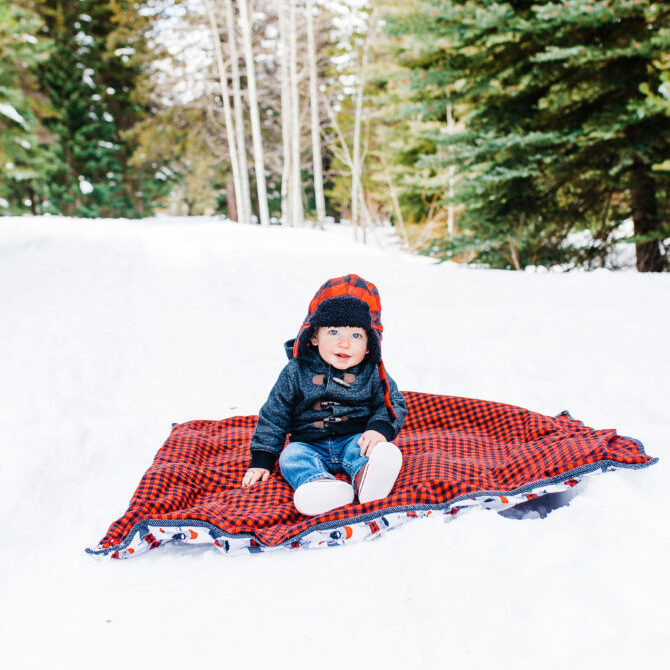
(369, 440)
(252, 475)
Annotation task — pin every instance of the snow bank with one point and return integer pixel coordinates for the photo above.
(113, 329)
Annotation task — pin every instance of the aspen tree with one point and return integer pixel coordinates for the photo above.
(315, 125)
(245, 199)
(259, 164)
(228, 119)
(286, 195)
(356, 162)
(296, 179)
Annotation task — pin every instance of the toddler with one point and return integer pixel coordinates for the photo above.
(337, 404)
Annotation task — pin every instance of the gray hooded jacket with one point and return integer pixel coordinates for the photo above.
(313, 400)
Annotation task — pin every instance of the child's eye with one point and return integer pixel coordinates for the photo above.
(356, 336)
(332, 331)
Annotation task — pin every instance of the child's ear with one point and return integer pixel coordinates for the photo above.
(314, 340)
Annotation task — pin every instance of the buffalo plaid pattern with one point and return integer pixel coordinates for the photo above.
(452, 447)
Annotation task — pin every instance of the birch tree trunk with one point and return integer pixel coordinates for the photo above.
(395, 202)
(232, 203)
(286, 197)
(244, 206)
(315, 126)
(227, 115)
(356, 191)
(259, 165)
(296, 179)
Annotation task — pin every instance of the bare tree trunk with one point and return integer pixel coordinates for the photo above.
(315, 126)
(355, 160)
(395, 202)
(33, 199)
(356, 190)
(259, 165)
(513, 241)
(645, 217)
(228, 119)
(285, 116)
(346, 157)
(367, 217)
(286, 209)
(232, 204)
(296, 177)
(344, 154)
(244, 205)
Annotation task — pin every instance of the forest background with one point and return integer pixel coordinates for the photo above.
(511, 134)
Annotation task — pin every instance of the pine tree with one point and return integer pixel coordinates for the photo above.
(24, 155)
(93, 80)
(559, 132)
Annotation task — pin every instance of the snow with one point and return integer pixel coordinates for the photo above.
(83, 39)
(113, 329)
(7, 110)
(87, 78)
(85, 186)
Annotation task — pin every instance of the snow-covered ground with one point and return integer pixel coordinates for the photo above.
(112, 330)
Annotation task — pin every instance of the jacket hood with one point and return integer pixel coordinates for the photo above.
(355, 287)
(288, 348)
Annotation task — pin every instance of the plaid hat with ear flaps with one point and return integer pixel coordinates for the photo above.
(347, 301)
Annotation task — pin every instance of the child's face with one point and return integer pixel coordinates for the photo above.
(342, 347)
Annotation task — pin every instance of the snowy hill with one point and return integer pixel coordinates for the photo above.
(111, 330)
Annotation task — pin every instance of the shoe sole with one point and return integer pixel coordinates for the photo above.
(381, 473)
(321, 496)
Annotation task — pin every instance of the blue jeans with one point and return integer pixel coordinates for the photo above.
(301, 462)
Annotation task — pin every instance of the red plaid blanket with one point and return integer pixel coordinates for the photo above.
(454, 449)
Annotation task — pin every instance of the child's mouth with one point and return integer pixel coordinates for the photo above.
(343, 355)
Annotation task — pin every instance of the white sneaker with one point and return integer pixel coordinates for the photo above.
(322, 495)
(376, 478)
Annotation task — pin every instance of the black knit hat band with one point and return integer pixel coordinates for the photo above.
(340, 312)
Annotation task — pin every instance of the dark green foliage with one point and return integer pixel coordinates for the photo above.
(557, 131)
(92, 81)
(23, 156)
(74, 72)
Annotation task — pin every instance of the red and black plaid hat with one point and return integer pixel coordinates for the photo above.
(355, 301)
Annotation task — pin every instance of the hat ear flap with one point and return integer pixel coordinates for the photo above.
(305, 338)
(373, 346)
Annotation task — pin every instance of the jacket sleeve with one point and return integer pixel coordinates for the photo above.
(274, 420)
(380, 419)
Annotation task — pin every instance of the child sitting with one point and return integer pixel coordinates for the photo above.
(336, 402)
